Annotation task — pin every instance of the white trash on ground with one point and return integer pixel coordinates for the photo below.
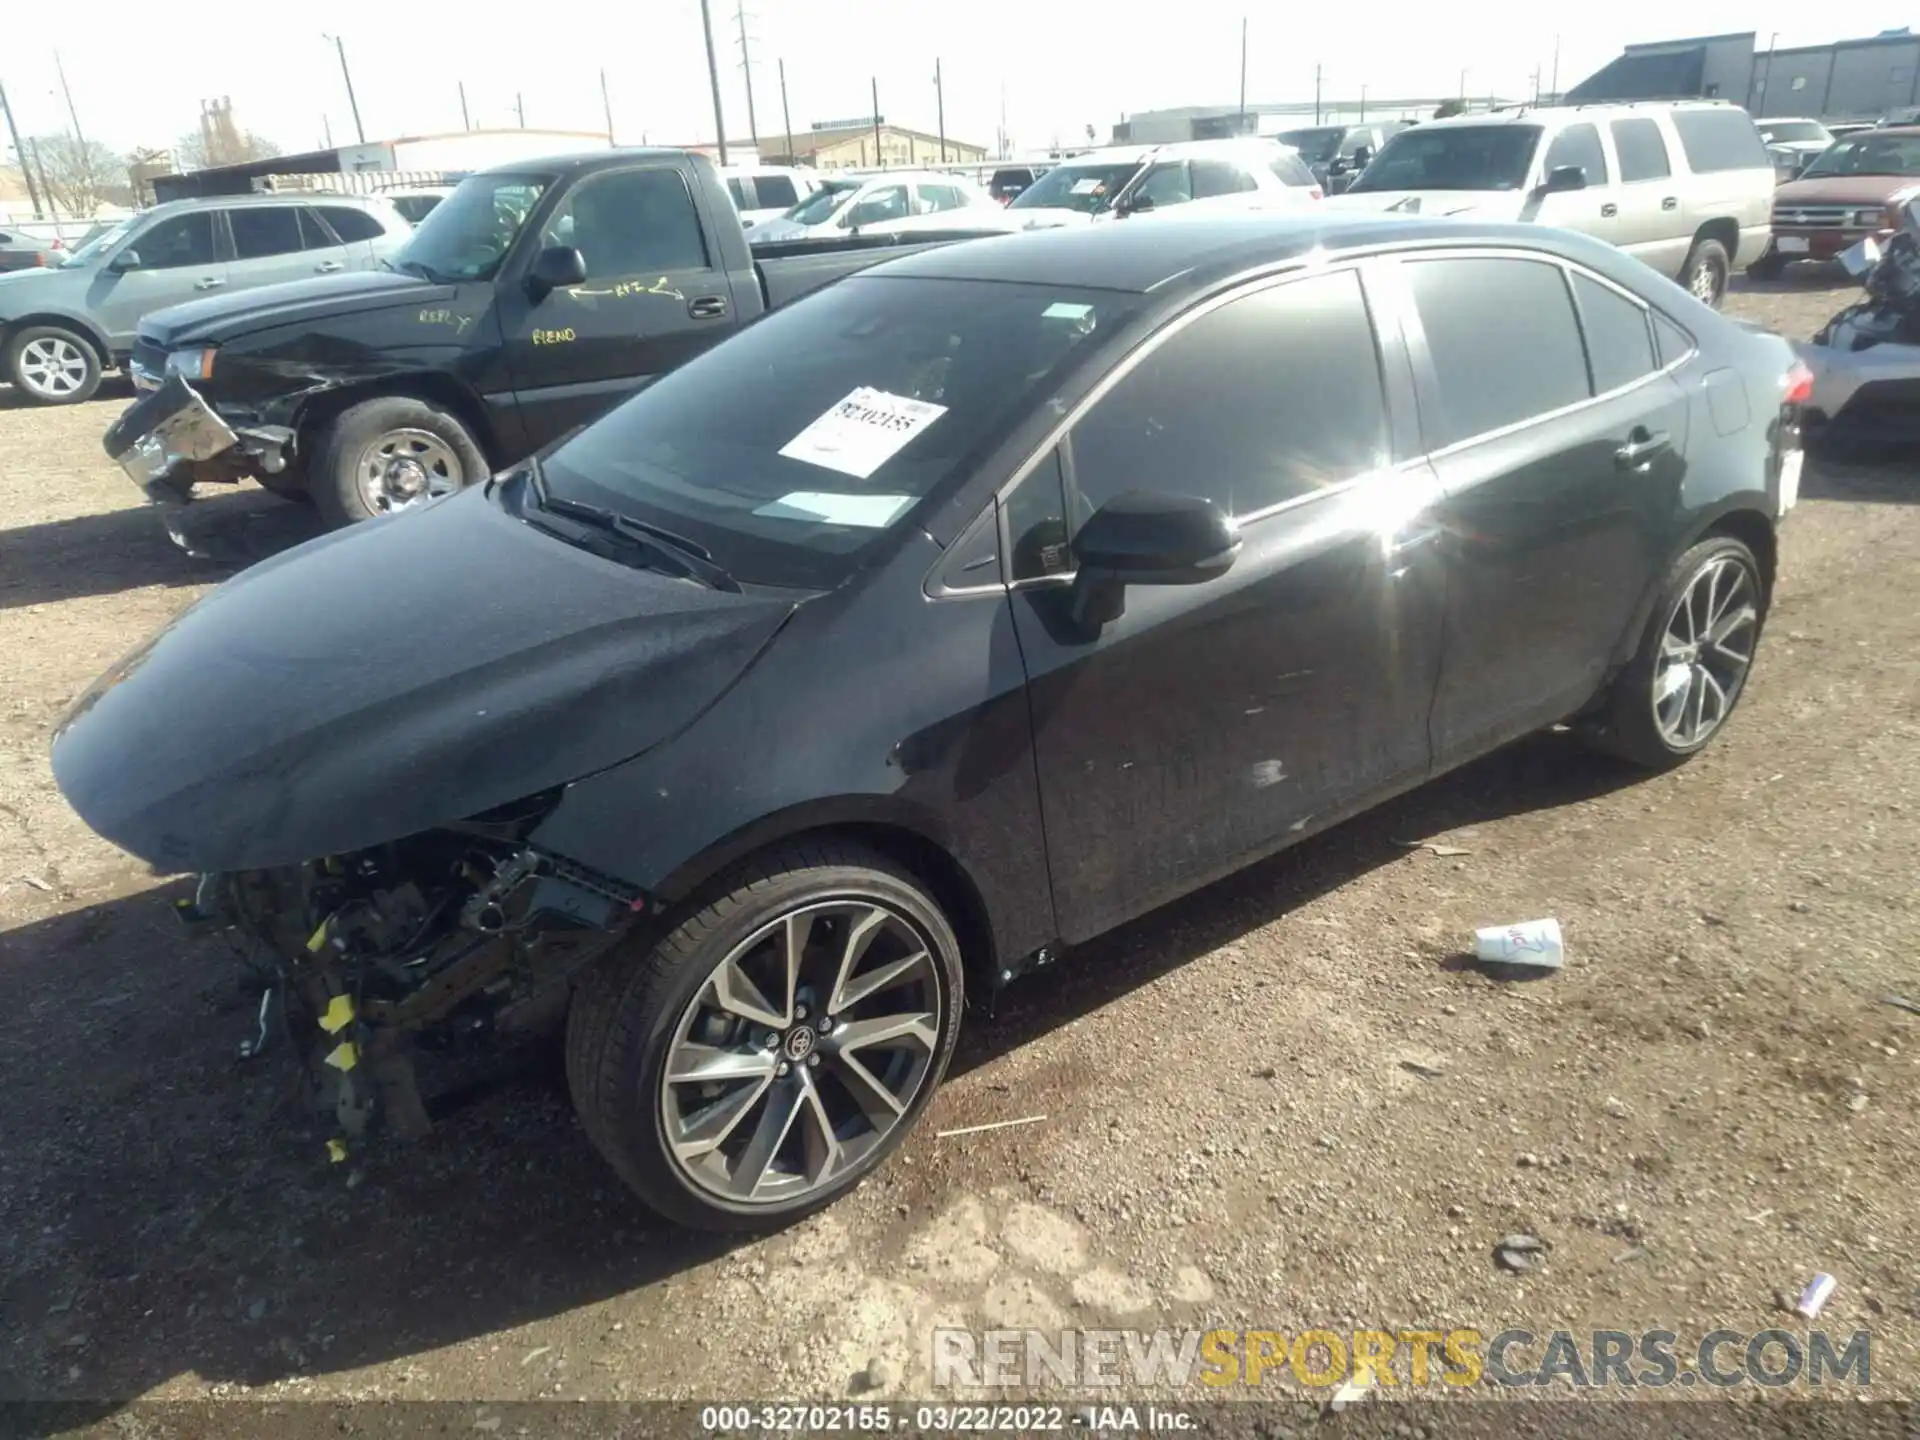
(1533, 943)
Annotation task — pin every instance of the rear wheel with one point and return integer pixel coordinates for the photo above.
(772, 1050)
(1691, 668)
(52, 366)
(1706, 271)
(388, 455)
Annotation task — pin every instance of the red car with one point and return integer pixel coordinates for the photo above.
(1843, 197)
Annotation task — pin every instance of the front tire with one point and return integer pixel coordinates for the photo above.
(52, 366)
(1705, 274)
(1691, 668)
(389, 455)
(835, 955)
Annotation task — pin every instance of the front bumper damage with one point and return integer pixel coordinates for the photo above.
(171, 439)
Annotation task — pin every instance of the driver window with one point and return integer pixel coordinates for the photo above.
(630, 223)
(183, 240)
(1578, 145)
(1165, 185)
(887, 203)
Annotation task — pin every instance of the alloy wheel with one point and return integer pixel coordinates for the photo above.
(52, 367)
(1705, 282)
(404, 468)
(802, 1052)
(1706, 650)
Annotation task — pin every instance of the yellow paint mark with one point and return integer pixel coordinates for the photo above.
(345, 1056)
(336, 1151)
(319, 936)
(555, 337)
(339, 1014)
(623, 289)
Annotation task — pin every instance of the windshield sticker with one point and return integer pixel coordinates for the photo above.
(1064, 310)
(862, 432)
(869, 512)
(1093, 185)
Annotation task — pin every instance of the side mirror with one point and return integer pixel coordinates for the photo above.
(1362, 155)
(124, 261)
(1145, 537)
(1134, 205)
(1563, 178)
(555, 268)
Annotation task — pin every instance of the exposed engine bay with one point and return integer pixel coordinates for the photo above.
(444, 942)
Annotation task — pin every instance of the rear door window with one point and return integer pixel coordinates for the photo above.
(1219, 177)
(314, 235)
(741, 192)
(1642, 150)
(775, 191)
(1292, 170)
(1720, 138)
(1579, 145)
(1619, 337)
(351, 224)
(263, 231)
(1503, 339)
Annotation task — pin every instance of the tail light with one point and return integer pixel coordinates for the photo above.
(1799, 385)
(1316, 193)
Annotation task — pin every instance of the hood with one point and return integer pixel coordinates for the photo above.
(389, 678)
(222, 317)
(781, 228)
(1481, 204)
(1045, 217)
(1845, 189)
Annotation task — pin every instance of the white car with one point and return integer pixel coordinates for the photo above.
(1685, 186)
(1794, 142)
(766, 192)
(1197, 176)
(891, 202)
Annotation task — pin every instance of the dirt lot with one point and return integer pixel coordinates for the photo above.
(1281, 1103)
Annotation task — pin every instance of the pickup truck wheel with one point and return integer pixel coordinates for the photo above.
(1706, 271)
(767, 1054)
(388, 455)
(51, 366)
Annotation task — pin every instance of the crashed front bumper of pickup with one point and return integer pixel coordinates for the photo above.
(171, 437)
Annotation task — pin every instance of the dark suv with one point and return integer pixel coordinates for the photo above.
(1009, 181)
(1338, 153)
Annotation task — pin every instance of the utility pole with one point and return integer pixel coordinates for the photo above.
(1316, 94)
(26, 169)
(1242, 127)
(73, 114)
(1553, 85)
(466, 122)
(1463, 87)
(875, 84)
(1536, 84)
(713, 79)
(606, 104)
(746, 69)
(1363, 104)
(786, 117)
(326, 132)
(520, 108)
(940, 107)
(340, 48)
(33, 149)
(1006, 140)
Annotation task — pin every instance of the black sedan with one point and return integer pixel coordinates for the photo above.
(927, 628)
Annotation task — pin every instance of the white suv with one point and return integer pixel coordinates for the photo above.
(1195, 176)
(1686, 186)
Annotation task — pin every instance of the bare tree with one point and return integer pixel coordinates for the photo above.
(80, 178)
(194, 151)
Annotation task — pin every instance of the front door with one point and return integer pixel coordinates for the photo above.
(1592, 211)
(1213, 723)
(1561, 446)
(653, 298)
(180, 258)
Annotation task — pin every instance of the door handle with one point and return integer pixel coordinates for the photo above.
(1609, 210)
(1642, 445)
(327, 267)
(707, 307)
(1670, 202)
(1412, 540)
(210, 283)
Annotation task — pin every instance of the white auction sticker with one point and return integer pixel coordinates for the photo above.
(868, 512)
(862, 432)
(1092, 185)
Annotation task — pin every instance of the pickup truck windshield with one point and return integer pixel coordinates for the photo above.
(1086, 188)
(1452, 157)
(818, 207)
(467, 235)
(1868, 154)
(796, 446)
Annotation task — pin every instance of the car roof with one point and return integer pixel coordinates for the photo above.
(1172, 150)
(270, 197)
(1547, 114)
(1175, 249)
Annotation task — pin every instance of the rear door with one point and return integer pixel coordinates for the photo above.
(1651, 225)
(359, 233)
(271, 245)
(1560, 443)
(1224, 185)
(653, 298)
(181, 257)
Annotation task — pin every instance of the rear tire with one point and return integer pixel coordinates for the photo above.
(388, 455)
(1706, 271)
(679, 1003)
(50, 365)
(1649, 717)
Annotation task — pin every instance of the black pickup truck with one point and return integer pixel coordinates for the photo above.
(526, 304)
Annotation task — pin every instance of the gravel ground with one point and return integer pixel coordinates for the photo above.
(1282, 1103)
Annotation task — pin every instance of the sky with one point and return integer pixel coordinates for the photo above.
(138, 74)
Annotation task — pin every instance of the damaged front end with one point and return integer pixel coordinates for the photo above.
(442, 946)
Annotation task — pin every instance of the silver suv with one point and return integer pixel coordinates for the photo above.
(62, 325)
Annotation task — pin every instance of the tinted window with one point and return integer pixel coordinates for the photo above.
(263, 231)
(1453, 157)
(939, 197)
(1579, 145)
(183, 240)
(1292, 170)
(1165, 185)
(630, 222)
(1086, 188)
(1720, 139)
(775, 190)
(1619, 342)
(1504, 342)
(1672, 340)
(1270, 397)
(1219, 177)
(742, 196)
(351, 224)
(889, 202)
(313, 235)
(1642, 150)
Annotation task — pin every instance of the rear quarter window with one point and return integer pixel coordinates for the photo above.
(1715, 140)
(351, 224)
(1290, 169)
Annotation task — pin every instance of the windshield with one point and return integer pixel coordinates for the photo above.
(99, 242)
(1790, 131)
(467, 235)
(1316, 146)
(796, 446)
(1086, 188)
(818, 207)
(1868, 154)
(1453, 157)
